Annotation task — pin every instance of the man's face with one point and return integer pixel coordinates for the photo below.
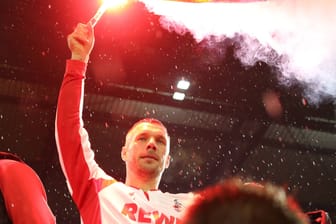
(146, 152)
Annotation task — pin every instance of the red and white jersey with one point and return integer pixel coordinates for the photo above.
(98, 196)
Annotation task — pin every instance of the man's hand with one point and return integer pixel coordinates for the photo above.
(81, 42)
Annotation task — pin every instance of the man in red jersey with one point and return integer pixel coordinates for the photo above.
(99, 197)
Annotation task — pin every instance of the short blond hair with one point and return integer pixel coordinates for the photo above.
(151, 121)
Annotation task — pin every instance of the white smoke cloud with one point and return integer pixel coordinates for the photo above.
(303, 31)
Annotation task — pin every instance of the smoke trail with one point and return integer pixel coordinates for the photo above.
(303, 31)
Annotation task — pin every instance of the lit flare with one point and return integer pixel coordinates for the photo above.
(107, 4)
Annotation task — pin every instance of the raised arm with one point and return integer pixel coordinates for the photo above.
(75, 154)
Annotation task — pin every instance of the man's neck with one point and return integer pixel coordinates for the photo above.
(144, 184)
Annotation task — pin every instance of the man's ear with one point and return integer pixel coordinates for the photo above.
(123, 153)
(167, 162)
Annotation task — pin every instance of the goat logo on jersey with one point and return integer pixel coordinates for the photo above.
(177, 205)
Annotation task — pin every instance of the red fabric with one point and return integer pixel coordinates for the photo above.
(24, 194)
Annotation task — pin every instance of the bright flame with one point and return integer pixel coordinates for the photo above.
(107, 4)
(114, 4)
(301, 32)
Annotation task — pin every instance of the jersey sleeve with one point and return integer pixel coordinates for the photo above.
(76, 156)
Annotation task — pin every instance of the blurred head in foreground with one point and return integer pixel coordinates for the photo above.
(233, 202)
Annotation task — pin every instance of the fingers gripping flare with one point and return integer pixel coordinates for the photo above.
(81, 42)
